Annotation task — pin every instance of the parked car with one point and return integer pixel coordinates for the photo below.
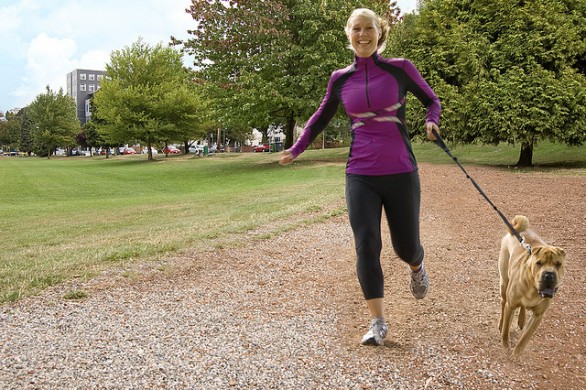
(196, 149)
(129, 151)
(171, 150)
(261, 148)
(102, 152)
(153, 150)
(15, 152)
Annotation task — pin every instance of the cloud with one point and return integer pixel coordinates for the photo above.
(9, 19)
(43, 40)
(94, 59)
(10, 15)
(46, 58)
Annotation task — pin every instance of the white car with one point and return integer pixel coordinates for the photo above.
(146, 150)
(196, 149)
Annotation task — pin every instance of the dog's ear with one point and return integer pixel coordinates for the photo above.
(560, 252)
(536, 250)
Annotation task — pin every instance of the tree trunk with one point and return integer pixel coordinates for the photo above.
(289, 129)
(526, 156)
(149, 151)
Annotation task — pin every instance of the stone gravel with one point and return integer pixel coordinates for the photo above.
(253, 318)
(287, 313)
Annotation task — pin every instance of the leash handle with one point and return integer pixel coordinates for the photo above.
(440, 142)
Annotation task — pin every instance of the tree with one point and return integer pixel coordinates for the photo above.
(16, 131)
(147, 96)
(10, 133)
(506, 71)
(26, 130)
(268, 63)
(53, 119)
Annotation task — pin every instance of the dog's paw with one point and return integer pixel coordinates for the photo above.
(515, 356)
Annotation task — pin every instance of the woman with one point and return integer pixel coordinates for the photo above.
(381, 171)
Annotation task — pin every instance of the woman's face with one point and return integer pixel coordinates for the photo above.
(363, 36)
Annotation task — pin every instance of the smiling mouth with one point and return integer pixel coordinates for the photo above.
(364, 42)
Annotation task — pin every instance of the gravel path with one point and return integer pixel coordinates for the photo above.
(287, 313)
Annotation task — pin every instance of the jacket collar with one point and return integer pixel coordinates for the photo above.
(374, 58)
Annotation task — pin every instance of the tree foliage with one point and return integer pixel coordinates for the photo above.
(53, 121)
(268, 63)
(147, 97)
(505, 70)
(10, 133)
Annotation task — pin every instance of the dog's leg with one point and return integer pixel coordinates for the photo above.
(503, 305)
(522, 317)
(507, 317)
(532, 326)
(504, 279)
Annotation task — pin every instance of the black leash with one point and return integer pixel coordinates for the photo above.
(439, 142)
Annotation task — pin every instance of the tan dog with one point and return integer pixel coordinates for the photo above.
(528, 281)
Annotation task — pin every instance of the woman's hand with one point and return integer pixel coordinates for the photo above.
(429, 127)
(286, 157)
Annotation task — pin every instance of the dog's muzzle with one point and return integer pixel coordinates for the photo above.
(548, 292)
(548, 285)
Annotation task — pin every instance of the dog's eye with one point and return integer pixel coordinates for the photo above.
(558, 265)
(538, 263)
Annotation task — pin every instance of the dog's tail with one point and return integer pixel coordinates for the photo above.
(520, 223)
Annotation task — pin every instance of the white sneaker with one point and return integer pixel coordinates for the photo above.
(419, 283)
(377, 332)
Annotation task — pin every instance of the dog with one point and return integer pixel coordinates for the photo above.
(528, 281)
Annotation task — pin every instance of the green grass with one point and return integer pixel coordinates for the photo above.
(67, 218)
(546, 155)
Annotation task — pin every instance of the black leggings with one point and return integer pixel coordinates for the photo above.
(400, 196)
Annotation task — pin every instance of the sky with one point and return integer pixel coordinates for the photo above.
(41, 41)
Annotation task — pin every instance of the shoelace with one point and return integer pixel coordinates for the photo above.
(418, 276)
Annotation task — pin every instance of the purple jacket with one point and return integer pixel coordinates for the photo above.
(373, 91)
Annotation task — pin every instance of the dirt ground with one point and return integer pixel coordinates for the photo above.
(448, 340)
(461, 234)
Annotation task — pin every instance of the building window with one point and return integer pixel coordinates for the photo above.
(100, 77)
(92, 87)
(92, 77)
(82, 87)
(82, 76)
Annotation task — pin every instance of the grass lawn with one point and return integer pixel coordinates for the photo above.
(68, 218)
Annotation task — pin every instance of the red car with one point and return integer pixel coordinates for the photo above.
(261, 148)
(171, 150)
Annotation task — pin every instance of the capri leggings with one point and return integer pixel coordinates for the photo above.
(366, 196)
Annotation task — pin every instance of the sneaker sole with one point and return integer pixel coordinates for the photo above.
(371, 341)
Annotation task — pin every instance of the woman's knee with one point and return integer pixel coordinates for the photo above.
(411, 255)
(368, 246)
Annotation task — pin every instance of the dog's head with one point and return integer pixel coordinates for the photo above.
(547, 268)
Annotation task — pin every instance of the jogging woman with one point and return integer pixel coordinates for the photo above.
(381, 171)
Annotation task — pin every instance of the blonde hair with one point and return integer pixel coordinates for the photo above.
(381, 24)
